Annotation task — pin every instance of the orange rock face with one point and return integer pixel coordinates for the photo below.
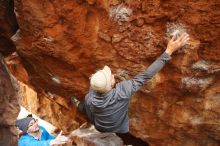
(9, 108)
(8, 27)
(61, 43)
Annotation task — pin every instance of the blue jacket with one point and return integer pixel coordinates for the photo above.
(28, 140)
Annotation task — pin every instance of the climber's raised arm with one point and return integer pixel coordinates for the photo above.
(131, 86)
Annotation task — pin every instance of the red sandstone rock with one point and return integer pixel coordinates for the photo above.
(9, 106)
(62, 43)
(8, 27)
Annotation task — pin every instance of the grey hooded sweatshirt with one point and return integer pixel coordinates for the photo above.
(109, 111)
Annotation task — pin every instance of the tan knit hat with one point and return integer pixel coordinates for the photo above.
(101, 80)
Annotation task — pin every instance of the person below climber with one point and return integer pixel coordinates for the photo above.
(34, 135)
(106, 104)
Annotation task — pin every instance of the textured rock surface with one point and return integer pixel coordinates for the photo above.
(9, 107)
(91, 137)
(51, 107)
(62, 43)
(8, 26)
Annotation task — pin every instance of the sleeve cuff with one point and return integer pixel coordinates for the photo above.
(165, 57)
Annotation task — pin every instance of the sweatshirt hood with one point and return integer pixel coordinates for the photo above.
(103, 100)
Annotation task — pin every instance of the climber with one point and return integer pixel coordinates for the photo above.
(106, 104)
(34, 135)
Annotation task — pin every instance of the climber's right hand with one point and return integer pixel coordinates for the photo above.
(176, 43)
(59, 140)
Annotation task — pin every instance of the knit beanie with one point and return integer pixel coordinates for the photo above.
(22, 124)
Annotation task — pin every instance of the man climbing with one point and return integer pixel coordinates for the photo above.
(34, 135)
(106, 104)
